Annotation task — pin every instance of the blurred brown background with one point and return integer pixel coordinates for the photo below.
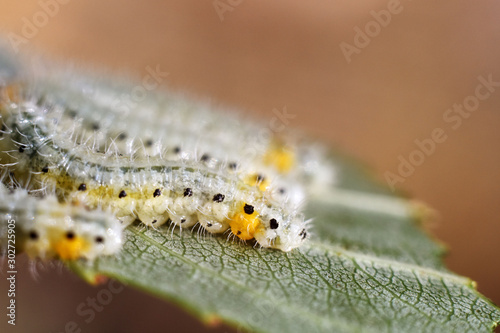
(260, 55)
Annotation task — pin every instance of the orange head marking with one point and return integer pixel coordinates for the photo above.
(245, 222)
(70, 246)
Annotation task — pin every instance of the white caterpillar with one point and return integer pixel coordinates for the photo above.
(169, 159)
(46, 228)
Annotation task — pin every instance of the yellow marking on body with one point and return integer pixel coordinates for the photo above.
(258, 181)
(94, 194)
(280, 157)
(244, 225)
(70, 249)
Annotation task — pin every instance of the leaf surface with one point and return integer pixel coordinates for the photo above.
(368, 267)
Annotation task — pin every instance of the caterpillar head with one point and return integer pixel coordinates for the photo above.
(282, 233)
(292, 236)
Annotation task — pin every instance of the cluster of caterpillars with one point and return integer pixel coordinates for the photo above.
(88, 160)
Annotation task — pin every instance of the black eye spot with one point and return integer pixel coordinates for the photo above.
(71, 113)
(45, 169)
(188, 192)
(281, 190)
(209, 224)
(177, 150)
(204, 157)
(218, 197)
(122, 136)
(157, 193)
(70, 235)
(238, 232)
(33, 235)
(122, 194)
(303, 233)
(82, 187)
(260, 178)
(95, 126)
(154, 221)
(233, 165)
(99, 239)
(248, 209)
(183, 220)
(21, 149)
(273, 224)
(149, 143)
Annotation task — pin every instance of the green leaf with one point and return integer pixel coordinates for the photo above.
(368, 267)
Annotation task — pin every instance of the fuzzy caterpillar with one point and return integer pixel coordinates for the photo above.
(40, 151)
(180, 129)
(48, 229)
(155, 168)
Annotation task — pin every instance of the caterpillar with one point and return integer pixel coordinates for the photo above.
(164, 159)
(46, 228)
